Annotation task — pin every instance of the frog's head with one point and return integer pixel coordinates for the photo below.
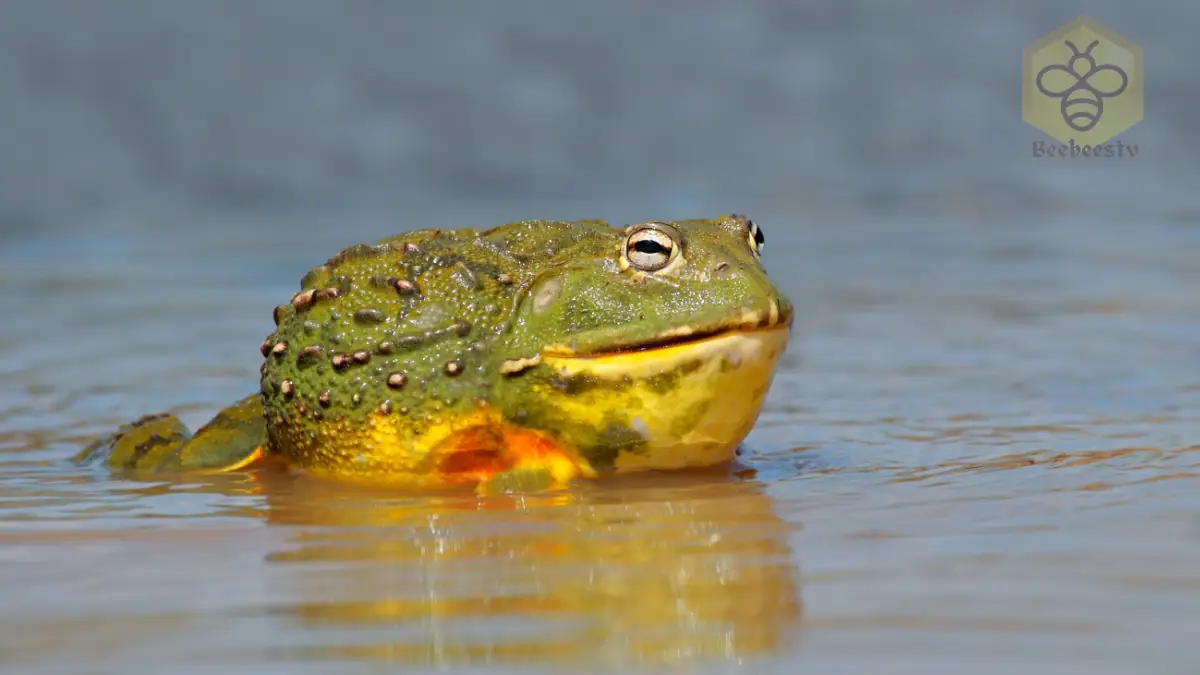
(650, 346)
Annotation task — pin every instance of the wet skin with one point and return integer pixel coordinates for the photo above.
(519, 357)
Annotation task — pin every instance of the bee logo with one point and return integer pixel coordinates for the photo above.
(1082, 98)
(1082, 83)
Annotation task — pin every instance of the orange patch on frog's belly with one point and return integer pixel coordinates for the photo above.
(455, 450)
(481, 452)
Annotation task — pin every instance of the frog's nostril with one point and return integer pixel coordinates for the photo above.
(721, 268)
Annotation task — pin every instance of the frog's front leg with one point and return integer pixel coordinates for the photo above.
(511, 460)
(234, 439)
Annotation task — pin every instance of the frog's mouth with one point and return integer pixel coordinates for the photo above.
(777, 316)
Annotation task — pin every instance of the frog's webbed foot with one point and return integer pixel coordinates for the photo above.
(142, 444)
(234, 439)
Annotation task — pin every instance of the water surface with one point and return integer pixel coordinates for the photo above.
(981, 451)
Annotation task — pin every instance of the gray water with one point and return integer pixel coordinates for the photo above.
(980, 452)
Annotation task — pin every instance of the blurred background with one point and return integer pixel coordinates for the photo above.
(149, 114)
(979, 449)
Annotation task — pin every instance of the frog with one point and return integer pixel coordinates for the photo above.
(521, 357)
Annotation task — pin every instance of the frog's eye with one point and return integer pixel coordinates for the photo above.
(755, 237)
(649, 249)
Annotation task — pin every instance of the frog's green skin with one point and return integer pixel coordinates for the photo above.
(538, 349)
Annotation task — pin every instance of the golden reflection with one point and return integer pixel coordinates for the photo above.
(646, 570)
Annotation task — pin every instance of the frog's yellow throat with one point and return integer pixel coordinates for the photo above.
(691, 403)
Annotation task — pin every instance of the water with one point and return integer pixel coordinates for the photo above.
(981, 452)
(998, 468)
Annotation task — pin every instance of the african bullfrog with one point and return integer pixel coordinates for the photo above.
(519, 357)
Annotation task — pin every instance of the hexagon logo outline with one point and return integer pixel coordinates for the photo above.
(1082, 82)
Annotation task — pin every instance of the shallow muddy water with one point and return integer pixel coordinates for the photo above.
(981, 453)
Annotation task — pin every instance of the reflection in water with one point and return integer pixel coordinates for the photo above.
(620, 574)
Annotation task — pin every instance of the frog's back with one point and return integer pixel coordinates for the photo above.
(381, 359)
